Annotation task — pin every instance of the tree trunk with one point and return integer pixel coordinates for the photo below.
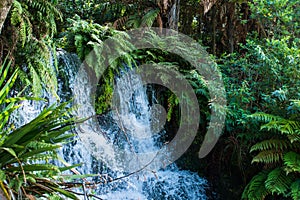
(173, 17)
(5, 6)
(169, 13)
(214, 27)
(231, 26)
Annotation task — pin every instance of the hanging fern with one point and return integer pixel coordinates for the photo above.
(33, 24)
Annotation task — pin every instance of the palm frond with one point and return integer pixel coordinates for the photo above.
(25, 152)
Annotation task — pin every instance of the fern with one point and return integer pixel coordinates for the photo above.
(256, 189)
(137, 21)
(292, 162)
(35, 22)
(272, 122)
(149, 17)
(278, 182)
(280, 150)
(264, 117)
(275, 144)
(295, 193)
(294, 137)
(268, 157)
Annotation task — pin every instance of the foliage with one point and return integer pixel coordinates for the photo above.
(119, 14)
(27, 39)
(280, 155)
(263, 77)
(261, 73)
(278, 17)
(27, 153)
(88, 38)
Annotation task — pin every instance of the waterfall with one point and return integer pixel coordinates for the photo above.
(112, 145)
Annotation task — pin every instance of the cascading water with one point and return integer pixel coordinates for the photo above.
(118, 139)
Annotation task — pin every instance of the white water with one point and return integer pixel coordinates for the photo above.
(123, 141)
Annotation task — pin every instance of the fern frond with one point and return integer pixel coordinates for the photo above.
(120, 23)
(263, 117)
(268, 157)
(278, 182)
(36, 82)
(294, 137)
(295, 187)
(256, 190)
(272, 122)
(274, 144)
(149, 18)
(292, 161)
(284, 126)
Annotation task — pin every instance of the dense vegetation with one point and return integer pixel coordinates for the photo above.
(255, 43)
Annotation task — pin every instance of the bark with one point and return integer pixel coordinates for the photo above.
(208, 4)
(169, 13)
(214, 27)
(231, 27)
(173, 17)
(5, 6)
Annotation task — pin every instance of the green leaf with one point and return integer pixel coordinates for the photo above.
(292, 161)
(256, 189)
(2, 176)
(34, 167)
(278, 182)
(295, 190)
